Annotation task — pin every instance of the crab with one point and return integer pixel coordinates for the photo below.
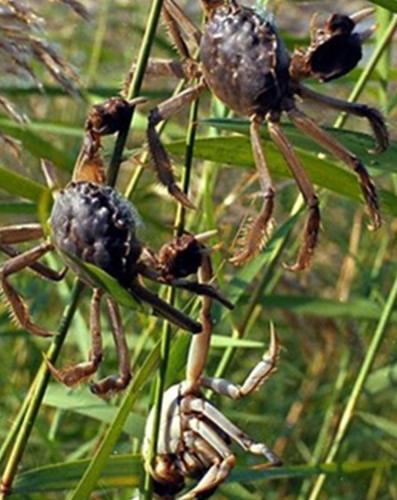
(92, 223)
(194, 436)
(244, 62)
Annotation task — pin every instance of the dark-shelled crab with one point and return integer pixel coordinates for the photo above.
(244, 62)
(93, 223)
(194, 436)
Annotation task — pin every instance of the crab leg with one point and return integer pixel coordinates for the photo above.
(164, 309)
(373, 116)
(41, 269)
(18, 306)
(260, 373)
(175, 33)
(164, 67)
(73, 375)
(183, 22)
(307, 125)
(161, 161)
(215, 476)
(209, 411)
(259, 229)
(307, 190)
(191, 286)
(119, 382)
(22, 233)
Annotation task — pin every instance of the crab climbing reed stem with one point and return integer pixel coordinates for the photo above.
(38, 392)
(135, 87)
(166, 334)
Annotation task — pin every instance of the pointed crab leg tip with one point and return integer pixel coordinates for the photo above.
(182, 198)
(359, 16)
(273, 334)
(294, 268)
(203, 237)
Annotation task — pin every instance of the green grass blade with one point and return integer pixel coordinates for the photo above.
(387, 4)
(82, 402)
(18, 185)
(36, 145)
(236, 151)
(98, 463)
(127, 471)
(120, 471)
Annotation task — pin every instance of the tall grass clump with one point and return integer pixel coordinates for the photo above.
(330, 411)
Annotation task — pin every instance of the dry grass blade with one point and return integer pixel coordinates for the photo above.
(77, 7)
(22, 41)
(10, 109)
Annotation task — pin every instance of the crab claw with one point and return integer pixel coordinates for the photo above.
(335, 49)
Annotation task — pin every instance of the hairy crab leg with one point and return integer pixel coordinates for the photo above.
(73, 375)
(175, 33)
(164, 67)
(20, 233)
(259, 374)
(19, 308)
(258, 231)
(41, 269)
(307, 125)
(119, 382)
(161, 161)
(183, 22)
(373, 116)
(164, 309)
(307, 190)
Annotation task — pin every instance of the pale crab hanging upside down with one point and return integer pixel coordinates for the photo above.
(92, 223)
(195, 438)
(244, 62)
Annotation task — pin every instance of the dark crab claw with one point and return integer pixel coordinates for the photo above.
(111, 116)
(336, 47)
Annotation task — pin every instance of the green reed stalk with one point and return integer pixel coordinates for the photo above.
(167, 331)
(362, 376)
(37, 393)
(135, 87)
(30, 410)
(139, 170)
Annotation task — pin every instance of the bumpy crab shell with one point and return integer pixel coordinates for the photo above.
(255, 83)
(96, 224)
(244, 62)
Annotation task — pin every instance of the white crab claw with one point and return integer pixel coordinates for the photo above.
(359, 16)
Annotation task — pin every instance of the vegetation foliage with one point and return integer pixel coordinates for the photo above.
(330, 411)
